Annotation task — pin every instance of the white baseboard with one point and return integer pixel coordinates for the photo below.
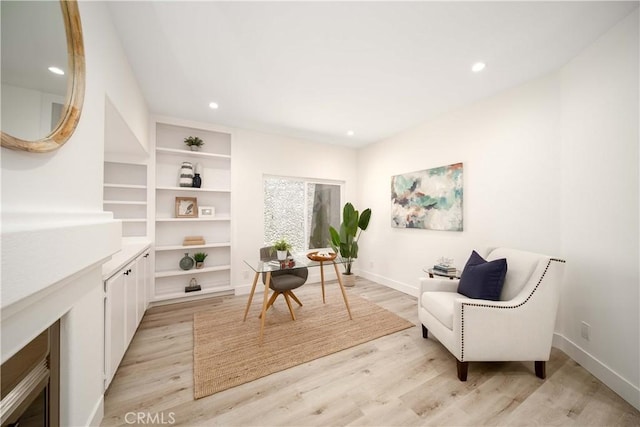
(610, 378)
(95, 419)
(393, 284)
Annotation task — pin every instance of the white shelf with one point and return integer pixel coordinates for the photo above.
(219, 218)
(201, 154)
(215, 163)
(209, 190)
(131, 186)
(172, 273)
(125, 194)
(124, 202)
(182, 247)
(184, 295)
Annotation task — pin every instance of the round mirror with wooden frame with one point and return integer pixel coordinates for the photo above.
(72, 108)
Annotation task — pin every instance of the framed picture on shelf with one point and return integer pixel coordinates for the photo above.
(186, 207)
(206, 211)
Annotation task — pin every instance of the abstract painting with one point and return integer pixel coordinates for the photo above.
(429, 199)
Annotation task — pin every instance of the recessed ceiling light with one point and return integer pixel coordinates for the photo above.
(56, 70)
(478, 66)
(213, 105)
(350, 133)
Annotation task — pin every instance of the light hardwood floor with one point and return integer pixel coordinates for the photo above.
(398, 380)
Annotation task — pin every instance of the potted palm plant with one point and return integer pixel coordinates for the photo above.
(199, 258)
(282, 246)
(194, 143)
(345, 242)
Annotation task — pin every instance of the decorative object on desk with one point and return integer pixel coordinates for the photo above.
(193, 241)
(187, 263)
(206, 211)
(199, 258)
(186, 175)
(444, 268)
(429, 199)
(193, 286)
(197, 180)
(186, 207)
(444, 261)
(194, 143)
(345, 242)
(226, 351)
(283, 247)
(322, 256)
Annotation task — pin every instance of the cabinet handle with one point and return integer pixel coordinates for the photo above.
(146, 256)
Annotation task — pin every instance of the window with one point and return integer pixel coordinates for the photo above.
(300, 211)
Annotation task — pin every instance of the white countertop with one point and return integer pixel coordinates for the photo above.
(131, 248)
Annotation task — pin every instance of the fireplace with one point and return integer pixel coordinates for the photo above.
(30, 383)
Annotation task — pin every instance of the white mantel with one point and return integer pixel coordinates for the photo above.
(52, 269)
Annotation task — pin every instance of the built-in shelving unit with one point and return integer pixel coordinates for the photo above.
(214, 160)
(125, 194)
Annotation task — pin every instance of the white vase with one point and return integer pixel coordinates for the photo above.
(282, 255)
(349, 280)
(186, 174)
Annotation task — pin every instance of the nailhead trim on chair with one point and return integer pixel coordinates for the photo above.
(500, 307)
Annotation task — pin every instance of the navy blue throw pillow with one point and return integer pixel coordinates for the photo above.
(481, 279)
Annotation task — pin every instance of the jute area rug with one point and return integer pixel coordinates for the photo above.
(226, 350)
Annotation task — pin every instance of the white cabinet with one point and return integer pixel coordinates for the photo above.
(125, 194)
(125, 304)
(115, 306)
(143, 276)
(131, 301)
(214, 163)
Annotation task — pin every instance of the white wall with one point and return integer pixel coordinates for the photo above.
(69, 181)
(256, 154)
(509, 146)
(550, 166)
(599, 196)
(30, 114)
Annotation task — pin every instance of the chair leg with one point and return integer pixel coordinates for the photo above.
(425, 332)
(286, 298)
(463, 368)
(541, 369)
(295, 298)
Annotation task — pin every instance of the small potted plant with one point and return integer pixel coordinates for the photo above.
(282, 246)
(199, 258)
(194, 143)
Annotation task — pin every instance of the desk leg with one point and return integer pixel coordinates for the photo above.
(253, 289)
(264, 305)
(322, 280)
(344, 293)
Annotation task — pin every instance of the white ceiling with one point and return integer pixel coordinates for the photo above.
(315, 70)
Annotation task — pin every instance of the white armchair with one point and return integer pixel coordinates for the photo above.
(519, 327)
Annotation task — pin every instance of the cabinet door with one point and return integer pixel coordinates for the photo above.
(114, 325)
(141, 302)
(131, 284)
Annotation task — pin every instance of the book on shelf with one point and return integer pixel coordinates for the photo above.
(193, 240)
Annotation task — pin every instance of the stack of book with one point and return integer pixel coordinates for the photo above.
(444, 269)
(193, 240)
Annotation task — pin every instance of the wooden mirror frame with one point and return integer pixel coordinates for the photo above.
(75, 89)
